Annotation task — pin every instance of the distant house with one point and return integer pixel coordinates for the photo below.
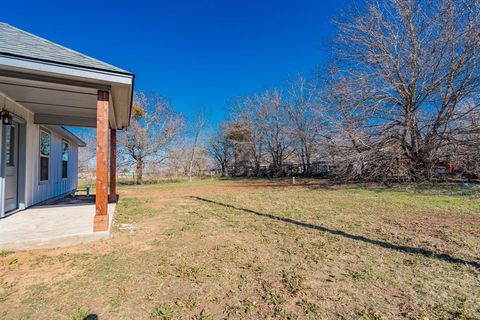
(44, 87)
(321, 167)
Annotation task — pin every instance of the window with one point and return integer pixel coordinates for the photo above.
(64, 159)
(10, 146)
(44, 154)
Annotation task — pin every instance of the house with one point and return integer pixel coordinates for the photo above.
(321, 168)
(43, 88)
(55, 164)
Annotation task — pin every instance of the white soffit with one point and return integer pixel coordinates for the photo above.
(73, 96)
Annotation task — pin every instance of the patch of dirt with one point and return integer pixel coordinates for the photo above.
(209, 189)
(434, 231)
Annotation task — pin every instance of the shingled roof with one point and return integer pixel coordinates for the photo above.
(18, 43)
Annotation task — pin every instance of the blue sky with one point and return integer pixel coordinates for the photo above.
(196, 53)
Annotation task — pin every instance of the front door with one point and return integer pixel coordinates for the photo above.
(11, 166)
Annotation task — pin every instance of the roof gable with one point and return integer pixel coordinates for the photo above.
(16, 42)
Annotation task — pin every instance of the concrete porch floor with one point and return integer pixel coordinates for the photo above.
(51, 226)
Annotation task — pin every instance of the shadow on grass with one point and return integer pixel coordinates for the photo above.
(380, 243)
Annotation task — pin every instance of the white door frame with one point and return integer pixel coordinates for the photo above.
(21, 159)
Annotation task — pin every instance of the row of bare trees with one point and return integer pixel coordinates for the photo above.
(399, 100)
(154, 129)
(158, 143)
(271, 130)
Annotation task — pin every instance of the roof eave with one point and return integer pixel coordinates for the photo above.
(59, 69)
(116, 70)
(68, 135)
(104, 79)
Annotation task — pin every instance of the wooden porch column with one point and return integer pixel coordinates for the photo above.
(113, 165)
(100, 222)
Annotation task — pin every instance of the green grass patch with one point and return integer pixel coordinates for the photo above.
(129, 209)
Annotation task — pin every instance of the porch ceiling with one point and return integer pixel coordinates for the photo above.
(56, 103)
(63, 95)
(52, 99)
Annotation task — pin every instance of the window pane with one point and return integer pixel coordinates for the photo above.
(44, 143)
(43, 168)
(65, 151)
(64, 169)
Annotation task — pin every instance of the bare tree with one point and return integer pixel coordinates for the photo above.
(238, 134)
(277, 129)
(220, 149)
(154, 127)
(251, 112)
(175, 163)
(198, 127)
(408, 72)
(305, 108)
(403, 99)
(87, 154)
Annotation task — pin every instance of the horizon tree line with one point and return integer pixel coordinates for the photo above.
(399, 98)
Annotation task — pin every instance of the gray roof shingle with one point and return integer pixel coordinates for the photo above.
(14, 41)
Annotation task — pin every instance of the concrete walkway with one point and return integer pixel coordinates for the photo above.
(51, 226)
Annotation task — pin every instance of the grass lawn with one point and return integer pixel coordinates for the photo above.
(261, 249)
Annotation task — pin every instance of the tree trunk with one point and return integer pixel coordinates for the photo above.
(302, 160)
(190, 165)
(139, 171)
(224, 170)
(308, 164)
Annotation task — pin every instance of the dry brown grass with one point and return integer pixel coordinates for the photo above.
(261, 249)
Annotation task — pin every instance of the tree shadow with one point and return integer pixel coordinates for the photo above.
(400, 248)
(91, 317)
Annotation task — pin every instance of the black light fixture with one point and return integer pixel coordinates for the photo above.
(6, 118)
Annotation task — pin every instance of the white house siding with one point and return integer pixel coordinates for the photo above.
(36, 191)
(56, 185)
